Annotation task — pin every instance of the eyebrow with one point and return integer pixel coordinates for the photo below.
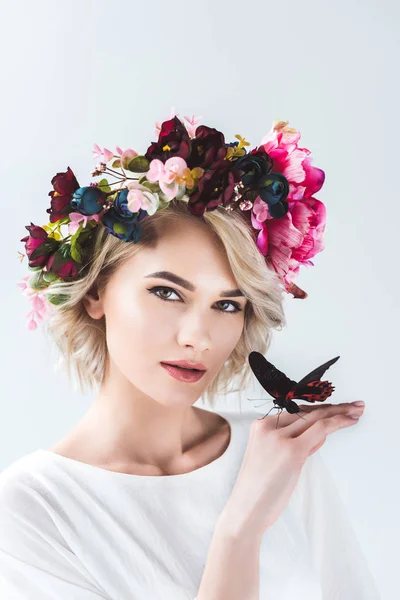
(187, 285)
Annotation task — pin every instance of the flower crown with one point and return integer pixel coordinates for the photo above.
(272, 184)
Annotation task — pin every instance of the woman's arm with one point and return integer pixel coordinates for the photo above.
(232, 569)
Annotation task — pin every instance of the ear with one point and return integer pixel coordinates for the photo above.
(93, 303)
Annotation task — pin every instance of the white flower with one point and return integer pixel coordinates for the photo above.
(140, 197)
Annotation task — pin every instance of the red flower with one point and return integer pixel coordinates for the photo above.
(215, 188)
(64, 185)
(38, 246)
(173, 140)
(62, 264)
(208, 148)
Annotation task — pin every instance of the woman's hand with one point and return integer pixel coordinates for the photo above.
(273, 461)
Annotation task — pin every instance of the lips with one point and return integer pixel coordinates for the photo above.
(183, 368)
(186, 364)
(181, 374)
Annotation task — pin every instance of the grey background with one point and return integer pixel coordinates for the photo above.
(75, 73)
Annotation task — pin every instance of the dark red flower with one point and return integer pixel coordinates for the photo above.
(215, 187)
(64, 185)
(38, 246)
(208, 148)
(62, 264)
(173, 140)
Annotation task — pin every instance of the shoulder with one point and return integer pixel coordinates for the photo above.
(36, 559)
(25, 491)
(20, 474)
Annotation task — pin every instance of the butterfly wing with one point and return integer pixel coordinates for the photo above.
(311, 389)
(318, 372)
(272, 380)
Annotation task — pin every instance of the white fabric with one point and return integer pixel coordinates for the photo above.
(72, 531)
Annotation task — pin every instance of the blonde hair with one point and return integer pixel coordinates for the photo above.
(81, 340)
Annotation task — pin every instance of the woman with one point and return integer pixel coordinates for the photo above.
(149, 496)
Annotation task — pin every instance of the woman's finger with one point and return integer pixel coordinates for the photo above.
(283, 418)
(341, 412)
(310, 407)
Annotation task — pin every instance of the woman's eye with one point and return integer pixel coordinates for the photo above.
(163, 290)
(158, 289)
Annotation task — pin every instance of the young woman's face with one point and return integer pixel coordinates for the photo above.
(150, 320)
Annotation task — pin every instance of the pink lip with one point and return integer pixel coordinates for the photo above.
(185, 363)
(182, 374)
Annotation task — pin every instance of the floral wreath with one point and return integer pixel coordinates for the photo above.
(273, 185)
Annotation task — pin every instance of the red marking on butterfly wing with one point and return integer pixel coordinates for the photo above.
(315, 391)
(272, 380)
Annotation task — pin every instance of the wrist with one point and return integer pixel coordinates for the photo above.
(236, 527)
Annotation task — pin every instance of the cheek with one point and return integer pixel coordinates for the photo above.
(232, 333)
(135, 331)
(141, 331)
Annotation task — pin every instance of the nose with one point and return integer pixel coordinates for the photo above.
(194, 332)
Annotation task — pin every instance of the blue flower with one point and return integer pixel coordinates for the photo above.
(121, 222)
(88, 200)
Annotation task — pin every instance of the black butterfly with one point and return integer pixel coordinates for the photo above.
(284, 390)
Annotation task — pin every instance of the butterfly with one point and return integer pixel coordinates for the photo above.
(284, 390)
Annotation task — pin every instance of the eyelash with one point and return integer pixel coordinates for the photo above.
(162, 287)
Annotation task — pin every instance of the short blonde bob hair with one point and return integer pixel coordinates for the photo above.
(81, 340)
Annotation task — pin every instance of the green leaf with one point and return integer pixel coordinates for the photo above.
(116, 164)
(49, 276)
(75, 235)
(34, 268)
(64, 251)
(152, 186)
(76, 252)
(75, 249)
(37, 282)
(57, 299)
(104, 185)
(138, 164)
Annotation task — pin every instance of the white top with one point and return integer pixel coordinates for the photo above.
(72, 531)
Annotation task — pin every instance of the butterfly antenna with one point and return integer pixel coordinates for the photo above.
(268, 412)
(300, 417)
(264, 402)
(277, 422)
(251, 399)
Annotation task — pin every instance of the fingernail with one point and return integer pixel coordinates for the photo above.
(359, 403)
(354, 416)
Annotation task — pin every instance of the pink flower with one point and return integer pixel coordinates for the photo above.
(40, 305)
(124, 156)
(260, 210)
(293, 239)
(192, 125)
(76, 218)
(106, 154)
(170, 175)
(281, 143)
